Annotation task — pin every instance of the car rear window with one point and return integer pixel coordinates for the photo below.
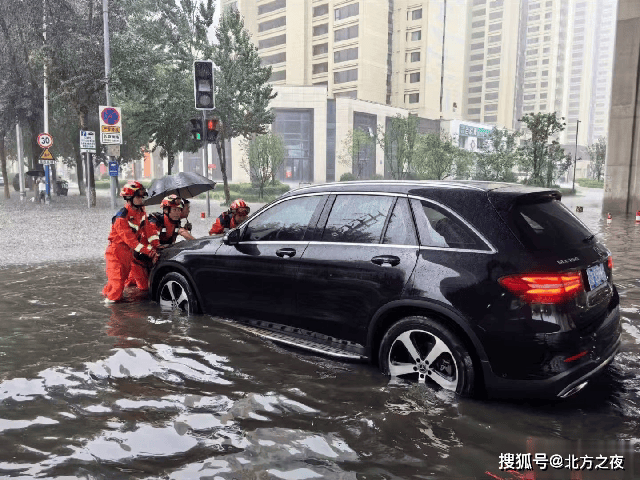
(547, 225)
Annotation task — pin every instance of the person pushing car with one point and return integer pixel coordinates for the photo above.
(237, 213)
(124, 240)
(161, 231)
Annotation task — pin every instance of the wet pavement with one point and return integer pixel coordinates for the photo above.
(129, 391)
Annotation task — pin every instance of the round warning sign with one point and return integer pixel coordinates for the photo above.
(110, 116)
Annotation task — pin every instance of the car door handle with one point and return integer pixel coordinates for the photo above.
(386, 260)
(286, 252)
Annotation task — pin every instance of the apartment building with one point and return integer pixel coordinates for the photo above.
(404, 53)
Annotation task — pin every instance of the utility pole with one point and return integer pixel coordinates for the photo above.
(575, 157)
(205, 155)
(46, 103)
(23, 193)
(107, 73)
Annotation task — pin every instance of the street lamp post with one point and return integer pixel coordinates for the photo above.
(575, 156)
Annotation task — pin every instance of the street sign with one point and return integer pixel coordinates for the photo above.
(45, 140)
(87, 141)
(113, 150)
(110, 125)
(113, 169)
(46, 155)
(47, 162)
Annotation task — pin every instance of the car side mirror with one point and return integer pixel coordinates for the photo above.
(232, 238)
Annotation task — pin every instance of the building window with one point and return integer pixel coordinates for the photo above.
(271, 6)
(529, 86)
(493, 73)
(345, 76)
(491, 108)
(320, 67)
(478, 24)
(345, 33)
(321, 29)
(414, 56)
(414, 36)
(414, 77)
(477, 78)
(412, 98)
(495, 15)
(491, 96)
(271, 24)
(495, 27)
(493, 84)
(494, 50)
(321, 10)
(473, 111)
(276, 58)
(474, 100)
(320, 49)
(493, 62)
(295, 126)
(477, 46)
(321, 84)
(347, 11)
(414, 14)
(477, 56)
(476, 68)
(543, 108)
(272, 41)
(531, 96)
(475, 89)
(277, 76)
(491, 118)
(495, 38)
(345, 55)
(477, 35)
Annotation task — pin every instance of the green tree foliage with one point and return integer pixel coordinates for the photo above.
(442, 158)
(265, 155)
(356, 147)
(497, 157)
(241, 88)
(400, 143)
(598, 155)
(540, 158)
(152, 71)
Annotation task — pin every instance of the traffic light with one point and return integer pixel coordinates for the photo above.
(203, 84)
(196, 130)
(212, 132)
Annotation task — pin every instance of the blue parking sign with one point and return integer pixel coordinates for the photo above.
(113, 169)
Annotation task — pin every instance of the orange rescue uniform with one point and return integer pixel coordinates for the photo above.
(123, 241)
(223, 221)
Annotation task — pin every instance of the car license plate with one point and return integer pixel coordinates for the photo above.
(596, 276)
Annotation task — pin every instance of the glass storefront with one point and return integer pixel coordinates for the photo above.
(296, 128)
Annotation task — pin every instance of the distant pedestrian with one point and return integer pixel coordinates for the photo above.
(237, 213)
(42, 189)
(124, 241)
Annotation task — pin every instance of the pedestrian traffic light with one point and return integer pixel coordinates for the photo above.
(203, 84)
(212, 132)
(196, 130)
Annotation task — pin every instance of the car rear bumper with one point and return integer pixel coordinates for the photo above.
(570, 380)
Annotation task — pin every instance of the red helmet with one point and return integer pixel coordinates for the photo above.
(172, 201)
(237, 204)
(132, 189)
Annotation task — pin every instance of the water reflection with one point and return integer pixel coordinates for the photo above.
(130, 391)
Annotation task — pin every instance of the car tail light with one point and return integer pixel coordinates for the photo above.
(544, 287)
(610, 262)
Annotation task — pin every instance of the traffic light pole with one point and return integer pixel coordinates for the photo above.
(205, 157)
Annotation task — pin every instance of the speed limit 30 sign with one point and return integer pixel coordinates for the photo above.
(45, 140)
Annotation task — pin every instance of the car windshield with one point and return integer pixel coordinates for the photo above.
(548, 225)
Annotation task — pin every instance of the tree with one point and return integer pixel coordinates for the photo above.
(400, 144)
(598, 155)
(441, 158)
(265, 155)
(497, 157)
(152, 71)
(241, 87)
(539, 158)
(355, 147)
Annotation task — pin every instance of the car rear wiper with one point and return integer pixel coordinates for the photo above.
(588, 239)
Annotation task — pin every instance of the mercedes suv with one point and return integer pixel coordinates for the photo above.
(473, 287)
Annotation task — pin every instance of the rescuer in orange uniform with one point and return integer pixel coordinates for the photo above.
(161, 230)
(124, 240)
(237, 214)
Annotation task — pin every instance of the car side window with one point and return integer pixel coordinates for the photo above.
(400, 229)
(286, 221)
(357, 218)
(439, 228)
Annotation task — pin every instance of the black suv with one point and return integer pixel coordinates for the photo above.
(468, 286)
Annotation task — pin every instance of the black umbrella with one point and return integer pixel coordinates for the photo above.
(35, 173)
(183, 184)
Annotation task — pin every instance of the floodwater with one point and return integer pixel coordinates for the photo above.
(128, 391)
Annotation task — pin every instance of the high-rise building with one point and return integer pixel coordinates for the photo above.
(403, 53)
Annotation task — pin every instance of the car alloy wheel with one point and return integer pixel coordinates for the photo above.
(175, 294)
(423, 350)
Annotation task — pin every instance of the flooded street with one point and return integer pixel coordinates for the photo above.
(129, 391)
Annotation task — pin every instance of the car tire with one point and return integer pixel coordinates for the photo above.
(175, 293)
(442, 359)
